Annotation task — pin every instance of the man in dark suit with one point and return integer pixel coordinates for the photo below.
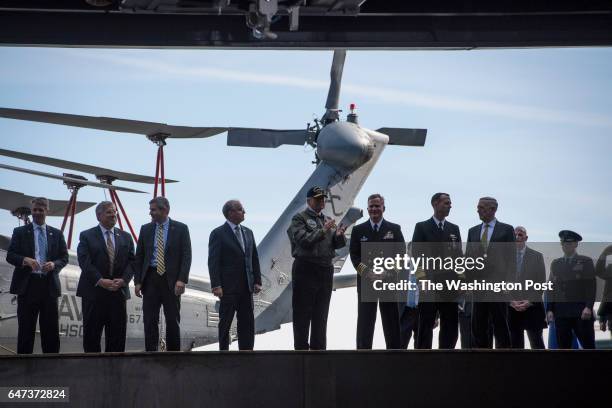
(233, 265)
(437, 237)
(376, 229)
(105, 256)
(527, 314)
(494, 241)
(38, 252)
(163, 261)
(571, 301)
(604, 272)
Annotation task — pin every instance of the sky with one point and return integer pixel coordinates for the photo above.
(530, 127)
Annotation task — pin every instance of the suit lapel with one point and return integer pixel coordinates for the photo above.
(496, 232)
(247, 240)
(99, 237)
(118, 241)
(50, 242)
(151, 240)
(436, 230)
(233, 236)
(171, 233)
(30, 239)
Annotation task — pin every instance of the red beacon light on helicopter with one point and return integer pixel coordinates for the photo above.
(352, 116)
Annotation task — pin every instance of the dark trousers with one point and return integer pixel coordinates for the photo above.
(449, 324)
(536, 340)
(518, 322)
(366, 319)
(240, 305)
(156, 292)
(37, 305)
(409, 321)
(465, 325)
(583, 329)
(106, 311)
(312, 288)
(487, 316)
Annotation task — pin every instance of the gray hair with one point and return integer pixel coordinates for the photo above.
(520, 228)
(161, 203)
(100, 208)
(40, 201)
(228, 206)
(375, 196)
(490, 200)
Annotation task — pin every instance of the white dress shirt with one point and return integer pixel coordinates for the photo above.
(491, 227)
(39, 257)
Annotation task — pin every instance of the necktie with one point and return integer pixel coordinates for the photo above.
(412, 294)
(42, 245)
(484, 240)
(159, 254)
(110, 250)
(519, 263)
(238, 233)
(375, 227)
(441, 226)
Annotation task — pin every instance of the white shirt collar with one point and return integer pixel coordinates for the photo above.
(163, 224)
(379, 223)
(491, 223)
(35, 226)
(104, 230)
(232, 225)
(437, 221)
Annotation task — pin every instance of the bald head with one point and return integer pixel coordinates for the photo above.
(520, 233)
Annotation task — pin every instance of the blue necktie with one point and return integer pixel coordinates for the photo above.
(42, 245)
(412, 294)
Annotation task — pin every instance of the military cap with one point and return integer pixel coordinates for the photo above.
(569, 236)
(315, 192)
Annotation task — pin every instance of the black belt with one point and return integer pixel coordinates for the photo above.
(39, 275)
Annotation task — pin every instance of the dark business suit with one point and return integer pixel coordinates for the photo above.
(490, 310)
(574, 288)
(605, 308)
(104, 309)
(158, 290)
(533, 319)
(235, 271)
(366, 310)
(36, 294)
(430, 241)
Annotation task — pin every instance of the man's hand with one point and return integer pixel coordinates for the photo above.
(602, 325)
(179, 288)
(32, 263)
(341, 229)
(48, 267)
(587, 314)
(137, 290)
(119, 283)
(550, 317)
(520, 305)
(218, 292)
(108, 284)
(371, 276)
(256, 288)
(329, 224)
